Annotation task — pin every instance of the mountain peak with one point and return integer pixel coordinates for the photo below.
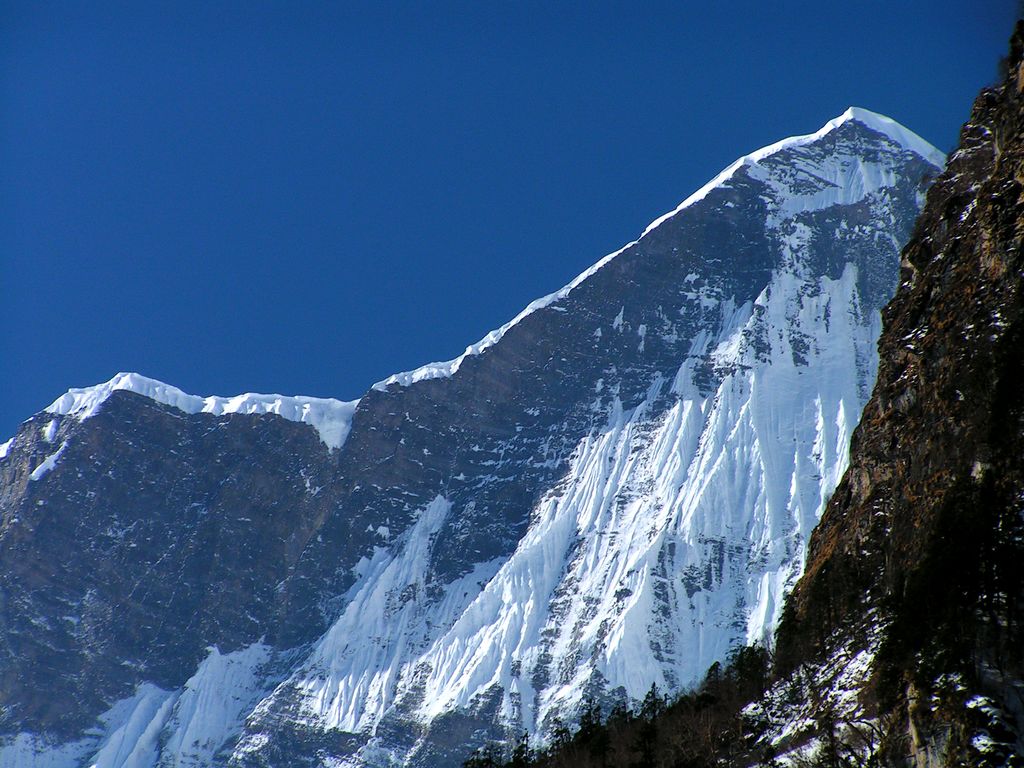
(613, 490)
(876, 122)
(894, 130)
(879, 123)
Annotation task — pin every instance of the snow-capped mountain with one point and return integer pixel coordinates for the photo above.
(612, 490)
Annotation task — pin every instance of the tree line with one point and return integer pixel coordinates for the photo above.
(696, 730)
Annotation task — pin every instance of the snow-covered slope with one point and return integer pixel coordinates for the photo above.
(612, 490)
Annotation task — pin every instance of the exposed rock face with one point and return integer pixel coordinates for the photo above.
(919, 559)
(153, 536)
(611, 491)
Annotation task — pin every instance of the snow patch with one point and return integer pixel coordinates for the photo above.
(211, 709)
(348, 683)
(48, 463)
(184, 728)
(132, 729)
(790, 707)
(27, 750)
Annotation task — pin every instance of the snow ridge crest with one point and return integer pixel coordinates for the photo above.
(331, 418)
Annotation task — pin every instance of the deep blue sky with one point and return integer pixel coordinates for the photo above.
(302, 198)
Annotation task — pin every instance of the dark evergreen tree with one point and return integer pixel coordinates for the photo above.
(561, 736)
(521, 756)
(653, 703)
(488, 756)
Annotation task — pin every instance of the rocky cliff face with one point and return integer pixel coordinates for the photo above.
(910, 610)
(612, 490)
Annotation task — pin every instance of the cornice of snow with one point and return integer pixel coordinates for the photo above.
(331, 418)
(888, 127)
(902, 135)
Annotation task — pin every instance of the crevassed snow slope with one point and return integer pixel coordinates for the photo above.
(675, 536)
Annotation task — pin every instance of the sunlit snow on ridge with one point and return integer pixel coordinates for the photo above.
(873, 120)
(48, 463)
(331, 418)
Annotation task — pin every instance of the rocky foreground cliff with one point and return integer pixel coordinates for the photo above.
(919, 558)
